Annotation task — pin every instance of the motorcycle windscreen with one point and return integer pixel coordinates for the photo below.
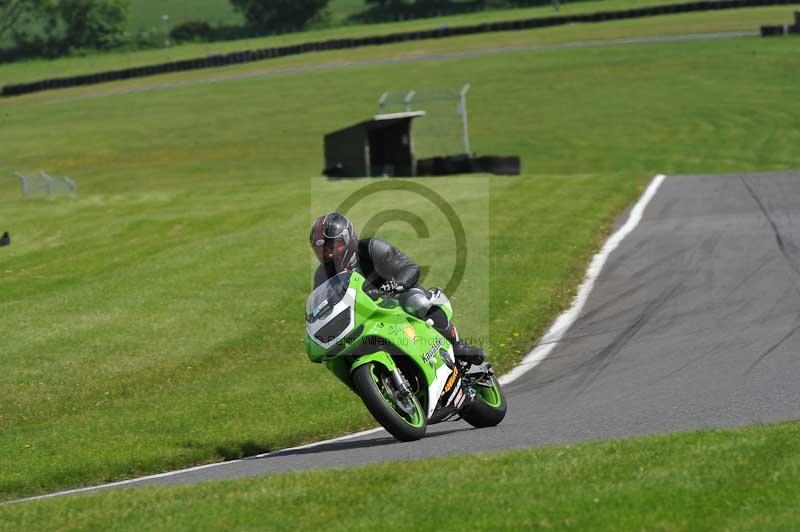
(325, 296)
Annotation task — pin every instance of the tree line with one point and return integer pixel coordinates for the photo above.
(51, 28)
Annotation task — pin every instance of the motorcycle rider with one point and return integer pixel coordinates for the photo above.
(338, 249)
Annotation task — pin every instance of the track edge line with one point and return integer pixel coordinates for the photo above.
(563, 323)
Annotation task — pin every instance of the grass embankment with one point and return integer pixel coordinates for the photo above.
(152, 322)
(722, 21)
(710, 480)
(747, 19)
(145, 15)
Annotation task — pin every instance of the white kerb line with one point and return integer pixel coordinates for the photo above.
(566, 319)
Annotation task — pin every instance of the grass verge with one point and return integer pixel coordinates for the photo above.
(742, 479)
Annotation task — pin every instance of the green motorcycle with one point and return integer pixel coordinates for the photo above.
(399, 365)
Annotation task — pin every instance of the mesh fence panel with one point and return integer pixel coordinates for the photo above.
(441, 130)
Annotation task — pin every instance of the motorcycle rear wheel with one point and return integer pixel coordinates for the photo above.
(370, 381)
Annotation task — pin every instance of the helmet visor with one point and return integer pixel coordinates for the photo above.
(332, 250)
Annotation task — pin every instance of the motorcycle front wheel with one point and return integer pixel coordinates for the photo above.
(400, 414)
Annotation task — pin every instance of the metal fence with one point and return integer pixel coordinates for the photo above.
(444, 130)
(42, 184)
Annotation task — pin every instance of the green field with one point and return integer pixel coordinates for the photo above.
(150, 322)
(709, 480)
(145, 15)
(737, 19)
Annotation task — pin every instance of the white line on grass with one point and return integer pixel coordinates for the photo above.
(196, 468)
(531, 360)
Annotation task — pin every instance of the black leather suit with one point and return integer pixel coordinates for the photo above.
(380, 262)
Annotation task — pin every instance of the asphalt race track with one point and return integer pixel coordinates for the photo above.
(694, 322)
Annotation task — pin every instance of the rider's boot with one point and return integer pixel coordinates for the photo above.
(468, 353)
(462, 351)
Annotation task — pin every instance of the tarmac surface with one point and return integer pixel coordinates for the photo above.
(694, 322)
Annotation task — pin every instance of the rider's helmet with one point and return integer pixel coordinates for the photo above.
(334, 241)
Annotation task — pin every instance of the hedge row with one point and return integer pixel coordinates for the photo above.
(338, 44)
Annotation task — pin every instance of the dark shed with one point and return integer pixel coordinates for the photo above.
(377, 147)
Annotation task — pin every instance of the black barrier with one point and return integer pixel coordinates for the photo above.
(247, 56)
(771, 31)
(464, 164)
